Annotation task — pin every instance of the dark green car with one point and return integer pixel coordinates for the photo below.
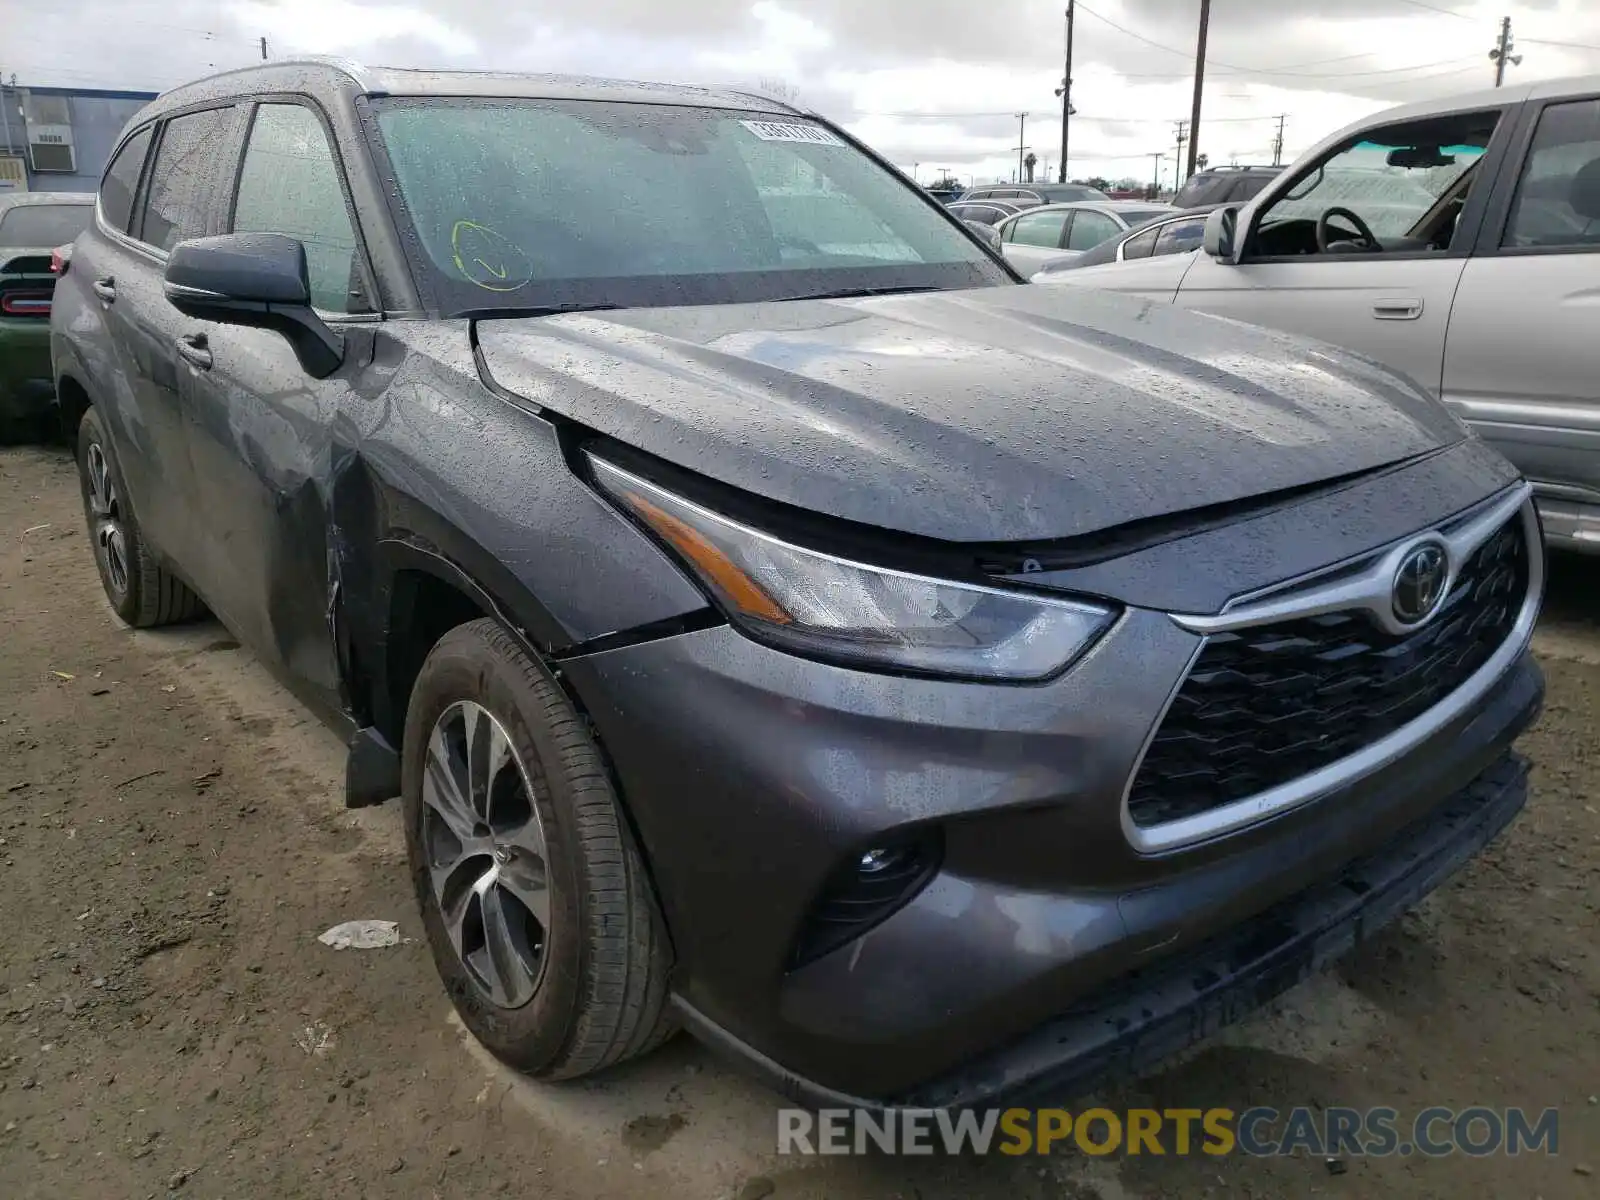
(32, 225)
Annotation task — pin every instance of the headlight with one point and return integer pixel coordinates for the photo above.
(827, 607)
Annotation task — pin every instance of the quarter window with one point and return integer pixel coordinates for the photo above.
(1558, 196)
(122, 181)
(178, 199)
(290, 184)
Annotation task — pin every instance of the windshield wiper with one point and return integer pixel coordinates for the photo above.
(533, 310)
(848, 293)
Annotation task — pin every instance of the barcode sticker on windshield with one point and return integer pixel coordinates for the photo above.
(778, 131)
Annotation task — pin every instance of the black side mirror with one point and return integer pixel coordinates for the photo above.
(987, 234)
(1222, 234)
(257, 279)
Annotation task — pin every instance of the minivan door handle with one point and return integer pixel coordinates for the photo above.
(106, 288)
(1404, 308)
(192, 348)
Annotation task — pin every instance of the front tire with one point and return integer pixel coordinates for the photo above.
(536, 904)
(142, 593)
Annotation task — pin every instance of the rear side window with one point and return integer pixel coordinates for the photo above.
(1038, 229)
(122, 181)
(1558, 196)
(182, 178)
(1090, 228)
(290, 184)
(30, 225)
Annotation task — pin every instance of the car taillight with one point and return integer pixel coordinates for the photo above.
(25, 304)
(60, 259)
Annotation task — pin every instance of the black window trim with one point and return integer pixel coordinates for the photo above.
(158, 124)
(1468, 226)
(1497, 218)
(136, 203)
(375, 301)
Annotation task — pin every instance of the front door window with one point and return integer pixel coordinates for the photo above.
(1397, 188)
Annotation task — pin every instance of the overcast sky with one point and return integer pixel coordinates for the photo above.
(929, 82)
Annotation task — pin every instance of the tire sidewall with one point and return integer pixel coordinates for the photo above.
(464, 667)
(91, 431)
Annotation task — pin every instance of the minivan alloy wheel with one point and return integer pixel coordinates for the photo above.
(110, 540)
(486, 853)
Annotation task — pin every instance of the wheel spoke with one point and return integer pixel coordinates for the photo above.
(509, 973)
(465, 909)
(525, 877)
(488, 752)
(443, 790)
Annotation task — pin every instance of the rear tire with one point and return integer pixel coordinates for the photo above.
(142, 593)
(537, 907)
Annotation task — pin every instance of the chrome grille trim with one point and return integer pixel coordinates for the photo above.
(1300, 600)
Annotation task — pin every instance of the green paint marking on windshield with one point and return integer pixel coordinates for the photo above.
(487, 258)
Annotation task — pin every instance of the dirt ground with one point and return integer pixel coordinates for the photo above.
(172, 841)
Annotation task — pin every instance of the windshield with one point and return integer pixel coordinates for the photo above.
(535, 203)
(41, 225)
(1138, 216)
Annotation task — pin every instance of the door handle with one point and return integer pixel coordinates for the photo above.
(106, 288)
(1406, 308)
(193, 350)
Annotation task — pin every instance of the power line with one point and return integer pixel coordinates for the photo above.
(1562, 45)
(1214, 62)
(1449, 12)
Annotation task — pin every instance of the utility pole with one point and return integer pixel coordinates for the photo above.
(1501, 54)
(1277, 142)
(1155, 174)
(1177, 168)
(1199, 84)
(1022, 141)
(1065, 92)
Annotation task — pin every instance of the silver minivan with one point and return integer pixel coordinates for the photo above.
(1455, 240)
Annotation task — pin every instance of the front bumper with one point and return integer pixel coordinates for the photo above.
(1152, 1014)
(751, 775)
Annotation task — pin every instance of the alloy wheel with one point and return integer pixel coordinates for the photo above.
(106, 520)
(486, 853)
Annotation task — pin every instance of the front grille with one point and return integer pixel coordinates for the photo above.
(1266, 705)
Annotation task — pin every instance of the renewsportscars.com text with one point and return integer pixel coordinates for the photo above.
(1351, 1132)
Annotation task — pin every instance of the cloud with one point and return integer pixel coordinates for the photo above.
(934, 82)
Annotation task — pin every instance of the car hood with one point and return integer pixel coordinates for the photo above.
(995, 414)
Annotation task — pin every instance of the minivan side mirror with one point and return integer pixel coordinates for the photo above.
(1221, 235)
(987, 234)
(257, 279)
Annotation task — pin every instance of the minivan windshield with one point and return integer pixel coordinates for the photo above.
(536, 204)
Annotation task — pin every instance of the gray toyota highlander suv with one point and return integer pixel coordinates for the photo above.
(774, 618)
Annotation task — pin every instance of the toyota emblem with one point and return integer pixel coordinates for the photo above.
(1419, 583)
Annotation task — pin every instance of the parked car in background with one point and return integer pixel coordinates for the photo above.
(983, 212)
(1180, 232)
(946, 191)
(32, 225)
(1028, 195)
(1051, 232)
(1224, 185)
(762, 603)
(1455, 240)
